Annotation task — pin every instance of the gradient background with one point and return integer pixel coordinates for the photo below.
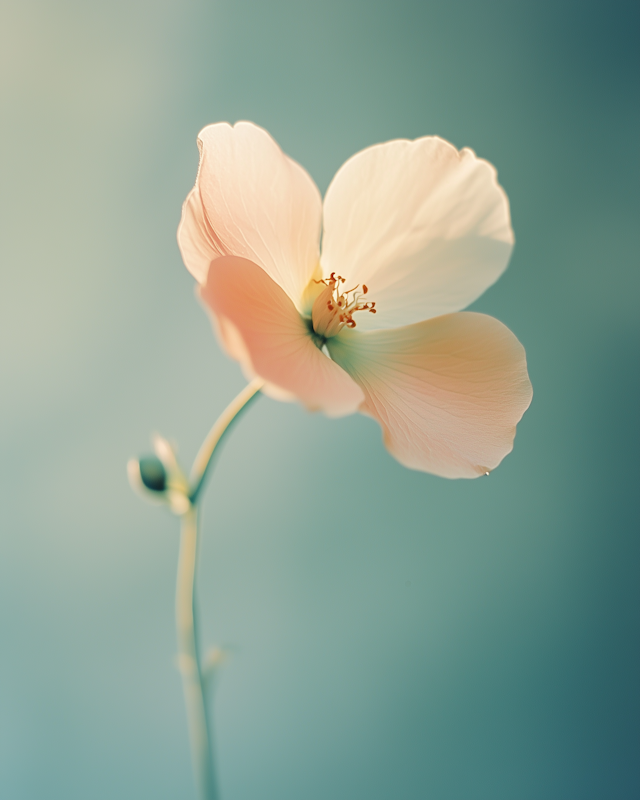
(394, 635)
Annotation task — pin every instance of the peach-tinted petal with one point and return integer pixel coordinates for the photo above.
(426, 227)
(195, 239)
(447, 392)
(253, 201)
(261, 327)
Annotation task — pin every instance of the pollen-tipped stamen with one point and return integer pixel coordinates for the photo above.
(334, 307)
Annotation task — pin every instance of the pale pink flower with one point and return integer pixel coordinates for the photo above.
(412, 231)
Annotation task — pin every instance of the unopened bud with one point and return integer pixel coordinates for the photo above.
(152, 473)
(159, 477)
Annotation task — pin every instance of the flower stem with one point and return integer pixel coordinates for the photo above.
(188, 651)
(205, 454)
(189, 660)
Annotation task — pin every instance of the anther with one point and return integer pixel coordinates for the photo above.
(335, 306)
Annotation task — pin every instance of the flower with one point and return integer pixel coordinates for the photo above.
(413, 231)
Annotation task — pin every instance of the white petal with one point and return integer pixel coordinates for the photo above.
(253, 201)
(447, 392)
(426, 227)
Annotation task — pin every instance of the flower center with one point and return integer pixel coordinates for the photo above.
(335, 306)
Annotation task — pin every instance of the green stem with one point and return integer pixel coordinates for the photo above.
(189, 660)
(215, 435)
(188, 651)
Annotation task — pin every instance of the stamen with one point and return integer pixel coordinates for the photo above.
(334, 307)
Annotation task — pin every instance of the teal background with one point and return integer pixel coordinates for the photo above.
(393, 634)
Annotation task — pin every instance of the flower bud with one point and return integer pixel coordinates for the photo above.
(159, 477)
(152, 473)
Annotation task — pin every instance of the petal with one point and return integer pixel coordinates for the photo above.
(261, 327)
(426, 227)
(195, 239)
(447, 392)
(253, 201)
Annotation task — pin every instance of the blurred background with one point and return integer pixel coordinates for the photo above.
(393, 634)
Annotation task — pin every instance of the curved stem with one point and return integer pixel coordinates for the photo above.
(222, 424)
(188, 652)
